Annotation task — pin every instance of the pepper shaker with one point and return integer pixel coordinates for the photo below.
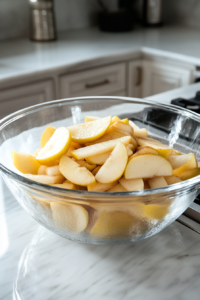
(42, 20)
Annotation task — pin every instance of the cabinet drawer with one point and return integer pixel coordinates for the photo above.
(94, 82)
(16, 98)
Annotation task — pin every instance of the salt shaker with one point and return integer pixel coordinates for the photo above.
(42, 20)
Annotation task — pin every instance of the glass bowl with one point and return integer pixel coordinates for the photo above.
(112, 218)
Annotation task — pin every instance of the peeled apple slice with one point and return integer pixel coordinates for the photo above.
(70, 216)
(148, 166)
(45, 179)
(99, 148)
(157, 182)
(132, 184)
(47, 134)
(25, 163)
(114, 166)
(89, 131)
(58, 145)
(74, 172)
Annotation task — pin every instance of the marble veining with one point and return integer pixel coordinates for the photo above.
(38, 264)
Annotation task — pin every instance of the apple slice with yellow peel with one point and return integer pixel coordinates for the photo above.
(172, 179)
(117, 119)
(186, 160)
(90, 118)
(89, 131)
(156, 212)
(74, 172)
(101, 187)
(117, 188)
(188, 174)
(99, 148)
(114, 166)
(70, 216)
(157, 182)
(47, 134)
(106, 137)
(25, 163)
(162, 149)
(58, 145)
(147, 166)
(132, 184)
(45, 179)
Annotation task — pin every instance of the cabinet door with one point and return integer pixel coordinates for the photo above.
(16, 98)
(135, 78)
(96, 82)
(159, 77)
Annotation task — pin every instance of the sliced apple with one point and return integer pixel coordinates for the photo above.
(74, 172)
(66, 185)
(90, 118)
(58, 145)
(71, 148)
(186, 161)
(100, 159)
(117, 188)
(199, 164)
(45, 179)
(145, 150)
(132, 184)
(157, 182)
(156, 212)
(114, 166)
(52, 171)
(99, 148)
(114, 224)
(162, 149)
(85, 164)
(172, 179)
(47, 134)
(188, 174)
(138, 132)
(70, 216)
(106, 137)
(42, 170)
(89, 131)
(25, 163)
(148, 166)
(123, 126)
(96, 170)
(100, 187)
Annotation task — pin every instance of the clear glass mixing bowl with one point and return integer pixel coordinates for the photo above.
(124, 217)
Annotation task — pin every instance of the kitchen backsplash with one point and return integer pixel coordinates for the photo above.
(72, 14)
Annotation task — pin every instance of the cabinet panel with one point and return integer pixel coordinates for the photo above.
(17, 98)
(97, 82)
(159, 77)
(135, 72)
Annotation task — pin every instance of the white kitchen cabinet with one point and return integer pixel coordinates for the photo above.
(159, 77)
(135, 72)
(15, 98)
(95, 82)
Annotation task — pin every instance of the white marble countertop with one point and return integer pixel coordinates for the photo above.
(85, 47)
(37, 264)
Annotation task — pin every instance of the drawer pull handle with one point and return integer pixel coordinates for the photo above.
(92, 85)
(139, 76)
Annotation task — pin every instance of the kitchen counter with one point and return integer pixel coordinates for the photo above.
(91, 47)
(37, 264)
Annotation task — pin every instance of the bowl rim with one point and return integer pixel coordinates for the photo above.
(49, 188)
